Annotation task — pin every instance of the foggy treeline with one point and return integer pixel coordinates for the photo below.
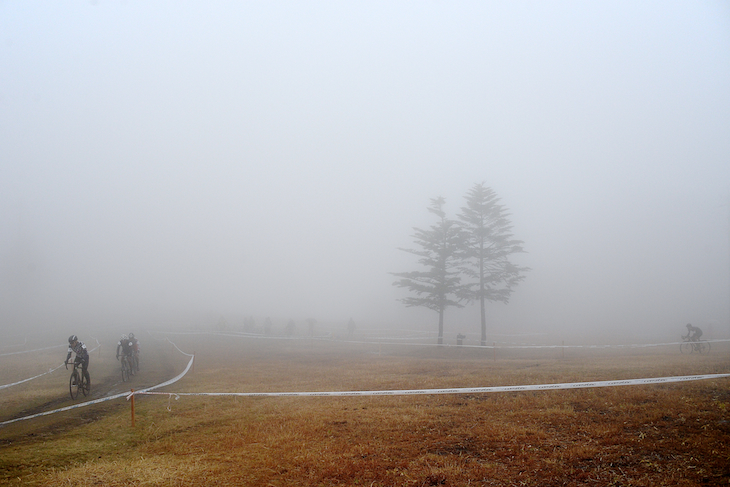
(270, 160)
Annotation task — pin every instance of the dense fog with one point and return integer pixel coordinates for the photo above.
(187, 165)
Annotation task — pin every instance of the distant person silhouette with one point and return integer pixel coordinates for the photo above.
(290, 326)
(693, 333)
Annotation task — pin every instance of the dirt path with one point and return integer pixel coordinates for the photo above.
(159, 362)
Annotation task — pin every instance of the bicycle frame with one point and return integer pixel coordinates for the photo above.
(127, 367)
(78, 381)
(692, 346)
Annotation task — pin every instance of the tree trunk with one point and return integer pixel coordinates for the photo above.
(481, 295)
(484, 322)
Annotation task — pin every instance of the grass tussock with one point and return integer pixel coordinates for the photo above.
(670, 434)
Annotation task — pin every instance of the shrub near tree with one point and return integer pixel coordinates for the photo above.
(477, 247)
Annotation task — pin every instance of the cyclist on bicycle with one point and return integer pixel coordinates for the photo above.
(135, 350)
(693, 333)
(126, 347)
(82, 355)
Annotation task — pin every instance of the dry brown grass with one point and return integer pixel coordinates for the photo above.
(672, 434)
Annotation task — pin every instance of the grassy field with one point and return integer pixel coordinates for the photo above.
(669, 434)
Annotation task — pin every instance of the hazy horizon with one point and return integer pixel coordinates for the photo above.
(167, 163)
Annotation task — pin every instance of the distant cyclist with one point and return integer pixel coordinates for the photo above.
(135, 350)
(125, 345)
(82, 355)
(693, 333)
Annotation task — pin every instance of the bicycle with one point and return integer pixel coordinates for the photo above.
(78, 382)
(127, 370)
(689, 346)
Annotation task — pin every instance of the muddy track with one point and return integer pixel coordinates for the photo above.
(99, 390)
(159, 362)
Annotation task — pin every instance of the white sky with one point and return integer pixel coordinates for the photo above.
(173, 158)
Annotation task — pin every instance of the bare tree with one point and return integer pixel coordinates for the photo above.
(439, 286)
(488, 245)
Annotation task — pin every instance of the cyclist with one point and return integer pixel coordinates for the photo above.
(82, 355)
(693, 333)
(126, 347)
(135, 350)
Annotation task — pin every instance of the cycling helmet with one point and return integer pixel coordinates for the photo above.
(131, 335)
(124, 337)
(73, 338)
(689, 325)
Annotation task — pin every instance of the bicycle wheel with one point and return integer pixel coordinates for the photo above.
(685, 347)
(125, 370)
(703, 347)
(73, 385)
(85, 385)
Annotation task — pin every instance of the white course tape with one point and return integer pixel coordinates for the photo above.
(44, 373)
(167, 383)
(461, 390)
(627, 345)
(67, 408)
(28, 351)
(108, 398)
(404, 341)
(25, 342)
(31, 378)
(188, 354)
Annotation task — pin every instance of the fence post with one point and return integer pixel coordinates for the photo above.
(132, 402)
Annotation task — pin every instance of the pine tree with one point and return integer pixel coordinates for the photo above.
(439, 286)
(487, 247)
